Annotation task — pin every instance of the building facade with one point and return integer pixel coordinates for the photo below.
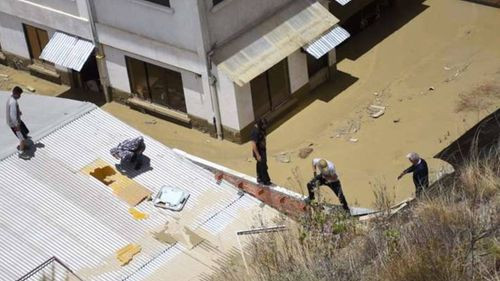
(216, 65)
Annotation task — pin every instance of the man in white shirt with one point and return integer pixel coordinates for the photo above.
(14, 118)
(327, 176)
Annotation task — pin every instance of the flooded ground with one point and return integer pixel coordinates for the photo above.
(435, 67)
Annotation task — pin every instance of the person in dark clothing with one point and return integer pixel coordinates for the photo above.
(130, 150)
(327, 176)
(258, 141)
(420, 173)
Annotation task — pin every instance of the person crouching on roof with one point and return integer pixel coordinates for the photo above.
(130, 150)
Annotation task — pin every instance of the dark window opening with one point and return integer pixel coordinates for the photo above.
(161, 2)
(156, 84)
(270, 89)
(315, 65)
(216, 2)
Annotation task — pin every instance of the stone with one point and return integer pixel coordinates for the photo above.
(431, 88)
(31, 89)
(396, 120)
(283, 158)
(353, 140)
(377, 111)
(4, 75)
(304, 152)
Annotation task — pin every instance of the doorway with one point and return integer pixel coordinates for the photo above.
(270, 89)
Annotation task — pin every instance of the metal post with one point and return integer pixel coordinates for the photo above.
(100, 58)
(255, 231)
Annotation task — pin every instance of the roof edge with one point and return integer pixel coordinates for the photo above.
(85, 108)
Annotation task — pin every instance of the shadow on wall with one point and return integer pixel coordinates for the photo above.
(392, 19)
(325, 92)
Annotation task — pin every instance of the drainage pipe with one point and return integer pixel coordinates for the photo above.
(100, 58)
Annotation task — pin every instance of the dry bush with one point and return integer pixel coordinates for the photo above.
(451, 234)
(479, 98)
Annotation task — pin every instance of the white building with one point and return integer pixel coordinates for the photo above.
(206, 63)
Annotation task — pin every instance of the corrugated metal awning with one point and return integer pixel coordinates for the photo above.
(327, 42)
(273, 40)
(343, 2)
(68, 51)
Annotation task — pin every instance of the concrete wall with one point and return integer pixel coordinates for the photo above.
(231, 17)
(297, 69)
(160, 23)
(155, 50)
(117, 69)
(47, 16)
(12, 36)
(67, 6)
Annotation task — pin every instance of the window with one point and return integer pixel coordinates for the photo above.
(156, 84)
(270, 89)
(37, 39)
(161, 2)
(215, 2)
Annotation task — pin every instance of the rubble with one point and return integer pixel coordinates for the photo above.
(304, 152)
(376, 110)
(283, 157)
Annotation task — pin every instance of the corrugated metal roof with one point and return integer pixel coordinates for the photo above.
(68, 51)
(273, 40)
(327, 42)
(50, 208)
(343, 2)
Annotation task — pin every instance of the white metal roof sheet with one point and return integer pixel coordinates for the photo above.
(273, 40)
(327, 42)
(343, 2)
(68, 51)
(50, 208)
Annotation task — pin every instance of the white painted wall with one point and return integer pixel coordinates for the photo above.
(67, 6)
(46, 16)
(154, 50)
(117, 69)
(227, 101)
(235, 16)
(297, 69)
(12, 36)
(197, 102)
(174, 26)
(235, 103)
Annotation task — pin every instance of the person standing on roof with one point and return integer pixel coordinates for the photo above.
(258, 141)
(327, 176)
(420, 173)
(130, 150)
(14, 119)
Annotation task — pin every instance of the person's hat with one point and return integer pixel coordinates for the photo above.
(323, 166)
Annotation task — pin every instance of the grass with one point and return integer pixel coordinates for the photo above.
(450, 234)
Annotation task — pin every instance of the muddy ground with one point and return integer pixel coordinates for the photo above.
(434, 65)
